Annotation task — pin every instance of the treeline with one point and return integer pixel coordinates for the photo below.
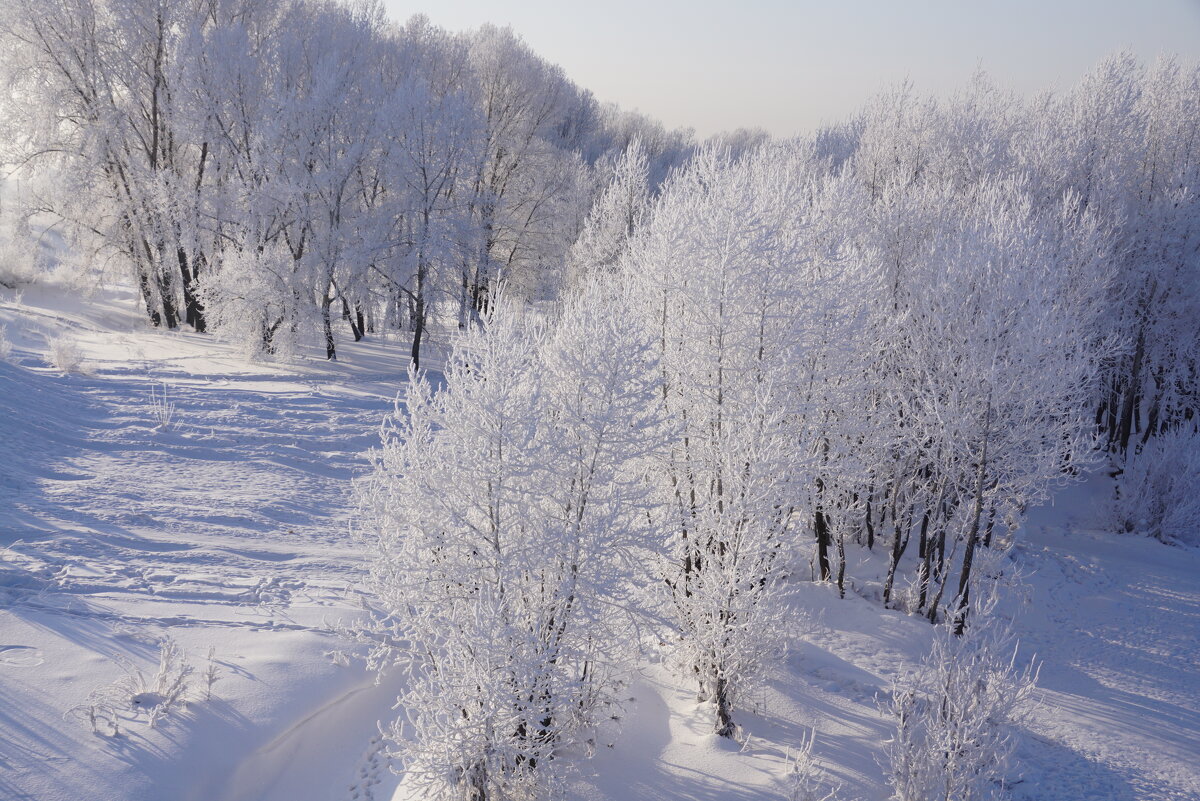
(892, 337)
(275, 170)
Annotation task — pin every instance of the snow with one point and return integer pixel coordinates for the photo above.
(1116, 622)
(229, 528)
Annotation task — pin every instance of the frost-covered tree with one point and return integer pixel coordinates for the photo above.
(296, 115)
(991, 363)
(404, 169)
(100, 98)
(620, 210)
(1125, 144)
(435, 141)
(740, 306)
(508, 512)
(523, 193)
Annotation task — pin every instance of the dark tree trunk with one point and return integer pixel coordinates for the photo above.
(148, 297)
(1129, 403)
(991, 525)
(899, 542)
(924, 552)
(327, 325)
(189, 272)
(170, 316)
(418, 332)
(870, 523)
(964, 582)
(821, 530)
(964, 578)
(939, 571)
(268, 336)
(477, 785)
(462, 301)
(841, 576)
(725, 727)
(354, 321)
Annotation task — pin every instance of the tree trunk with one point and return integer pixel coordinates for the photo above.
(869, 522)
(170, 316)
(268, 336)
(841, 577)
(327, 325)
(476, 780)
(923, 574)
(418, 332)
(355, 321)
(938, 573)
(462, 301)
(148, 298)
(899, 542)
(1129, 403)
(991, 525)
(189, 272)
(964, 578)
(821, 530)
(924, 551)
(725, 727)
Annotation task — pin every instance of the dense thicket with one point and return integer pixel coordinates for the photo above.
(277, 170)
(893, 337)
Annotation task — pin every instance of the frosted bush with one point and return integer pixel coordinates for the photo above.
(153, 696)
(5, 345)
(955, 714)
(20, 258)
(250, 304)
(803, 774)
(65, 354)
(212, 672)
(161, 408)
(1157, 491)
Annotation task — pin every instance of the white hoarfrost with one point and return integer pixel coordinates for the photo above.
(508, 518)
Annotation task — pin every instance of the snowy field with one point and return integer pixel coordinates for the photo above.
(226, 529)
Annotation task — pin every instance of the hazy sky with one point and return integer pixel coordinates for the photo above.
(788, 65)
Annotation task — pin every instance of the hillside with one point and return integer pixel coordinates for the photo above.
(228, 527)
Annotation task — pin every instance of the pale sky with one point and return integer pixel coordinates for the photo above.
(789, 65)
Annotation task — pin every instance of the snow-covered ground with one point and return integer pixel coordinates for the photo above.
(228, 528)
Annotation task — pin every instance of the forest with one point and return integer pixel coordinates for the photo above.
(653, 382)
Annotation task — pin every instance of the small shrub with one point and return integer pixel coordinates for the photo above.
(65, 354)
(803, 783)
(5, 345)
(212, 672)
(161, 408)
(954, 716)
(138, 694)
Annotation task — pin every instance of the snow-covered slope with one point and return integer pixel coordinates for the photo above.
(1116, 623)
(228, 528)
